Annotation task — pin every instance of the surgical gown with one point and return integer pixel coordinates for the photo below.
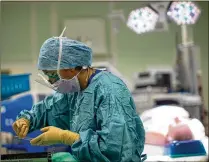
(104, 115)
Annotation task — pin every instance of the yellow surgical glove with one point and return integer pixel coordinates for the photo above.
(21, 127)
(53, 135)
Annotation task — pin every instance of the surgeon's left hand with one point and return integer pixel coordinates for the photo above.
(53, 135)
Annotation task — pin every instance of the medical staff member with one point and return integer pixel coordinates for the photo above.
(92, 111)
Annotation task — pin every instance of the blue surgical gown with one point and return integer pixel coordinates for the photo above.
(104, 115)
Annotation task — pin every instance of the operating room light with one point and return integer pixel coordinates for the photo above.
(142, 20)
(184, 13)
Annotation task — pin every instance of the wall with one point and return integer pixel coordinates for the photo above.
(26, 25)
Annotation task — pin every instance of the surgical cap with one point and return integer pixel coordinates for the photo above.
(74, 54)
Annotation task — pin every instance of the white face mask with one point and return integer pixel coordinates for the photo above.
(67, 86)
(62, 85)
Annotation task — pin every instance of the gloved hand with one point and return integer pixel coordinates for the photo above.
(21, 127)
(53, 135)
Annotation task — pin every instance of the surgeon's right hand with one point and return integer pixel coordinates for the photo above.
(21, 127)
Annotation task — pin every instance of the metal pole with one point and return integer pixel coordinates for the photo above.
(189, 60)
(185, 60)
(184, 34)
(193, 67)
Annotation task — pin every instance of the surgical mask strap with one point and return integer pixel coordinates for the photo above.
(61, 35)
(60, 55)
(78, 73)
(60, 51)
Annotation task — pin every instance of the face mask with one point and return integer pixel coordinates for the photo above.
(67, 85)
(62, 85)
